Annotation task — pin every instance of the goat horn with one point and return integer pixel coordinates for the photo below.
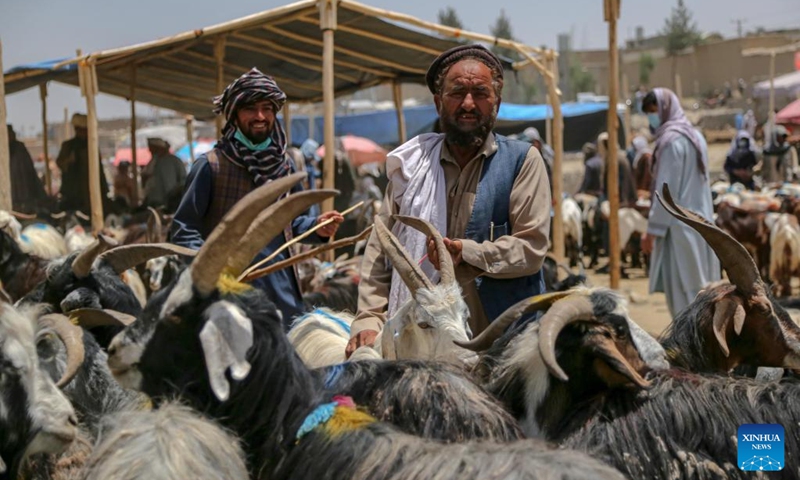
(512, 314)
(95, 317)
(213, 256)
(153, 226)
(741, 268)
(72, 338)
(270, 223)
(128, 256)
(22, 216)
(412, 275)
(612, 356)
(58, 216)
(446, 269)
(81, 215)
(576, 308)
(82, 264)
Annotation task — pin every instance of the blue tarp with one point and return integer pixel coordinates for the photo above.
(381, 127)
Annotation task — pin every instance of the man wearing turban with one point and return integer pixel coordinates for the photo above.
(73, 160)
(251, 152)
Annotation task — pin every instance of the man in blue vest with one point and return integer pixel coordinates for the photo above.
(488, 195)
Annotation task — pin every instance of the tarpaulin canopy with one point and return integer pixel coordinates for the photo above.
(789, 114)
(785, 86)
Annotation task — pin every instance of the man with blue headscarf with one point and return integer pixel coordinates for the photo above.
(251, 152)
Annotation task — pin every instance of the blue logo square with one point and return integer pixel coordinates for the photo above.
(761, 447)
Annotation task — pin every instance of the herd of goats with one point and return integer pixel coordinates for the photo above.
(126, 357)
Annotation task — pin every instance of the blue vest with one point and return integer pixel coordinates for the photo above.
(491, 207)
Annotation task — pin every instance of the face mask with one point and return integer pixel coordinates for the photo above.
(654, 120)
(249, 144)
(744, 144)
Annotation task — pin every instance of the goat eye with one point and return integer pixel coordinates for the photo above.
(424, 325)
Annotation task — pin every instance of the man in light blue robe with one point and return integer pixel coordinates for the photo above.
(682, 263)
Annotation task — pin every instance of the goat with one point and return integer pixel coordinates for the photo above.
(19, 272)
(320, 337)
(43, 240)
(161, 271)
(128, 348)
(35, 417)
(171, 443)
(576, 378)
(289, 427)
(784, 261)
(573, 231)
(550, 268)
(749, 228)
(730, 324)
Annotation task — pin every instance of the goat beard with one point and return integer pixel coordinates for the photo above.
(474, 137)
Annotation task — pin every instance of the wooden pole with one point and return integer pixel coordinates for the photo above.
(48, 183)
(88, 82)
(219, 55)
(678, 86)
(5, 153)
(558, 160)
(190, 137)
(287, 123)
(327, 12)
(397, 93)
(66, 132)
(771, 116)
(134, 159)
(625, 97)
(612, 14)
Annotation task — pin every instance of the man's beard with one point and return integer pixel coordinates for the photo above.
(467, 138)
(256, 138)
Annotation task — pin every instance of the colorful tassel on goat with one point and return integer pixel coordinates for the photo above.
(338, 417)
(228, 285)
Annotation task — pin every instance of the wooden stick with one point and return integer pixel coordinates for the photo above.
(219, 56)
(5, 157)
(190, 137)
(295, 240)
(48, 183)
(625, 95)
(327, 13)
(614, 252)
(287, 124)
(344, 242)
(88, 80)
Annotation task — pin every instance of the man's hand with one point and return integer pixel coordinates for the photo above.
(329, 230)
(647, 244)
(453, 246)
(362, 338)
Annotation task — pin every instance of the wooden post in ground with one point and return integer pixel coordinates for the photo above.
(5, 154)
(771, 116)
(626, 95)
(397, 93)
(134, 159)
(287, 123)
(190, 137)
(327, 15)
(88, 82)
(614, 253)
(558, 162)
(219, 55)
(48, 183)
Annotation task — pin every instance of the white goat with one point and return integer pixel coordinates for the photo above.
(43, 240)
(784, 260)
(320, 337)
(573, 229)
(630, 222)
(77, 238)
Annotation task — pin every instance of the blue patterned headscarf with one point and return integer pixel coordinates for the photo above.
(264, 165)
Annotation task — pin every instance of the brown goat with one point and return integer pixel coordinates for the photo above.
(748, 227)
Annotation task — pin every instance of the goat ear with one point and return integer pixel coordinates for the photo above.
(725, 310)
(226, 338)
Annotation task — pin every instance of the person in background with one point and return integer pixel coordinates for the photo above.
(593, 168)
(642, 167)
(124, 186)
(27, 191)
(741, 160)
(164, 176)
(779, 162)
(682, 263)
(531, 134)
(73, 160)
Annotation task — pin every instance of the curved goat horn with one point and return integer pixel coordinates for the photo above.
(496, 329)
(270, 223)
(153, 226)
(213, 256)
(82, 264)
(447, 270)
(128, 256)
(95, 317)
(741, 268)
(573, 309)
(72, 338)
(409, 271)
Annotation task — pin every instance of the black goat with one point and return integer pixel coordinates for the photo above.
(550, 268)
(730, 324)
(19, 272)
(224, 351)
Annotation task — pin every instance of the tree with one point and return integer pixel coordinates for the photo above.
(646, 65)
(681, 32)
(449, 18)
(580, 79)
(502, 29)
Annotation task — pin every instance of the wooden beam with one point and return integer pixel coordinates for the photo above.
(612, 167)
(397, 93)
(771, 94)
(327, 12)
(287, 123)
(48, 182)
(378, 37)
(348, 52)
(5, 154)
(219, 56)
(625, 96)
(134, 159)
(88, 82)
(190, 137)
(312, 56)
(123, 86)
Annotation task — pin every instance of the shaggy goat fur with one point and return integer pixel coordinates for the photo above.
(267, 406)
(171, 443)
(19, 271)
(43, 240)
(320, 337)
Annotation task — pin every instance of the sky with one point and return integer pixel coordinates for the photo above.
(35, 30)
